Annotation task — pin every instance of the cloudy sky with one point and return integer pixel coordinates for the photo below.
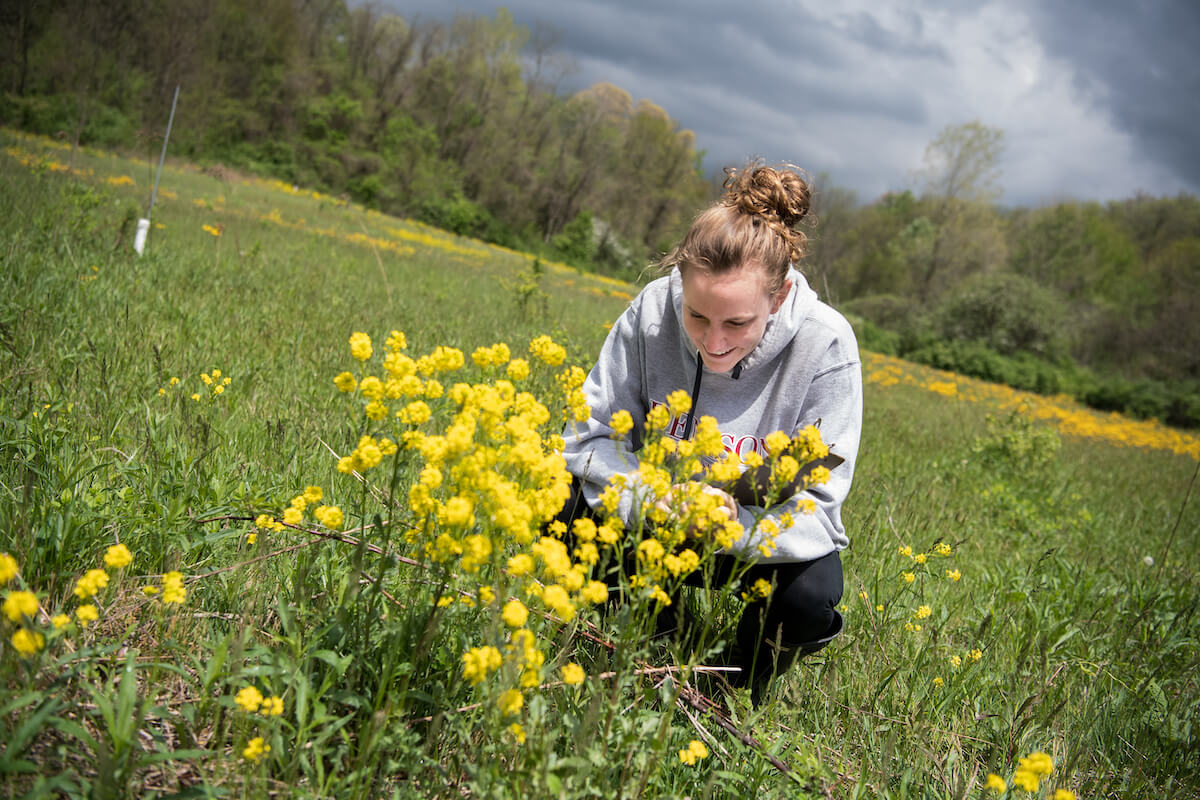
(1098, 99)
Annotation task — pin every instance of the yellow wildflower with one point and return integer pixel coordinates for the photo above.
(1026, 779)
(60, 620)
(621, 422)
(329, 516)
(908, 577)
(573, 674)
(256, 748)
(345, 382)
(518, 732)
(86, 614)
(923, 612)
(695, 751)
(996, 783)
(518, 369)
(91, 583)
(20, 604)
(271, 706)
(953, 575)
(27, 642)
(1064, 794)
(249, 698)
(514, 614)
(118, 556)
(479, 662)
(8, 568)
(545, 349)
(360, 346)
(172, 586)
(510, 702)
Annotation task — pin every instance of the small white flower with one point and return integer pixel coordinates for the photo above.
(1148, 561)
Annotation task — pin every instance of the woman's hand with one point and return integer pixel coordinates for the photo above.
(677, 502)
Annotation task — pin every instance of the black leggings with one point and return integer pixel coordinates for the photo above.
(798, 617)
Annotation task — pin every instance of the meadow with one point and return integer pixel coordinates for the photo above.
(239, 560)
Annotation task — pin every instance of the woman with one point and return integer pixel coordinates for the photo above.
(734, 322)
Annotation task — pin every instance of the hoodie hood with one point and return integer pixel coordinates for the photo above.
(780, 330)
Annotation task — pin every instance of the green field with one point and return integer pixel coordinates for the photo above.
(1017, 582)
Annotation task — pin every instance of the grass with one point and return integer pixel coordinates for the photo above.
(1071, 628)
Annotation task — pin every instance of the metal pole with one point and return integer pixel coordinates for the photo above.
(161, 158)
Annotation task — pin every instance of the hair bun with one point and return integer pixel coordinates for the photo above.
(777, 194)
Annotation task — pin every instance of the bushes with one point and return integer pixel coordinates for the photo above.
(1173, 402)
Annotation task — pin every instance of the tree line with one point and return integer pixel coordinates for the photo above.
(463, 125)
(466, 125)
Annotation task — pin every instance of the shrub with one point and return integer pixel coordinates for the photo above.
(1008, 312)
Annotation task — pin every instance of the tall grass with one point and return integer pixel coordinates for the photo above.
(1010, 589)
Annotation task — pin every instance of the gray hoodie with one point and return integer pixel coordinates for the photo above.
(805, 369)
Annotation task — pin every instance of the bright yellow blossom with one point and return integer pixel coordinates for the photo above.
(20, 604)
(329, 516)
(479, 662)
(249, 698)
(91, 583)
(87, 613)
(621, 422)
(60, 620)
(27, 642)
(360, 346)
(118, 556)
(514, 614)
(8, 568)
(573, 674)
(996, 783)
(172, 586)
(255, 749)
(510, 702)
(695, 751)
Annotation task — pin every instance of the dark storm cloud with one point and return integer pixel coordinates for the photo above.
(1096, 100)
(1138, 61)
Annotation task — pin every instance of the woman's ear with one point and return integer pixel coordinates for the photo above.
(781, 295)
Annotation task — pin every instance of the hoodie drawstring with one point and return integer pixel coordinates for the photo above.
(690, 427)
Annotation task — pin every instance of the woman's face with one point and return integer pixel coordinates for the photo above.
(725, 315)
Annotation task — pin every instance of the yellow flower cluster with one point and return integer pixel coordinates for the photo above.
(9, 568)
(172, 588)
(19, 605)
(118, 557)
(255, 749)
(1068, 416)
(544, 348)
(693, 753)
(1028, 776)
(495, 356)
(91, 583)
(251, 700)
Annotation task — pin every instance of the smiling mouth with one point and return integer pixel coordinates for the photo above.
(720, 355)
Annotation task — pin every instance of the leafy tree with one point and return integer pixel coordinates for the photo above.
(960, 184)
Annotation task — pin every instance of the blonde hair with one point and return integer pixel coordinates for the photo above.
(754, 221)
